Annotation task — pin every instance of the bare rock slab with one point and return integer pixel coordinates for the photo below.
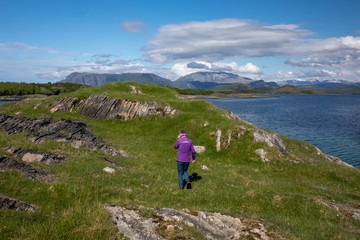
(132, 225)
(212, 225)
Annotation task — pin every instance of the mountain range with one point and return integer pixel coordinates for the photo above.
(198, 80)
(216, 81)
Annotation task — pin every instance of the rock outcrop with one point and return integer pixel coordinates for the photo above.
(73, 132)
(211, 225)
(30, 155)
(64, 104)
(271, 139)
(11, 203)
(262, 155)
(102, 107)
(27, 170)
(332, 158)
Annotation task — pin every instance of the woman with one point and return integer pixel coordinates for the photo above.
(185, 146)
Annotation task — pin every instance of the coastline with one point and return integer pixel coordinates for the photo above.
(12, 98)
(223, 96)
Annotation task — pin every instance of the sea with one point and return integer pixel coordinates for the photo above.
(330, 122)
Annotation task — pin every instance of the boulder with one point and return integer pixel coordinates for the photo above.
(199, 149)
(262, 154)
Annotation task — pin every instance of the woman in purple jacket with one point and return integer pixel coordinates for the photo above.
(185, 146)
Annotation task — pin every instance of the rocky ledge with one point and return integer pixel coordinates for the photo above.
(11, 203)
(30, 155)
(103, 107)
(162, 223)
(73, 132)
(27, 170)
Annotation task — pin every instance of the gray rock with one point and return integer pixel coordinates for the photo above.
(132, 225)
(73, 132)
(211, 225)
(233, 116)
(271, 139)
(332, 158)
(262, 154)
(64, 104)
(30, 155)
(218, 139)
(12, 203)
(102, 107)
(199, 149)
(27, 170)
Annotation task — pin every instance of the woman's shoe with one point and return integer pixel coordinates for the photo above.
(188, 185)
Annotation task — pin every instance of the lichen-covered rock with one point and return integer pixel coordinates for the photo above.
(11, 203)
(271, 139)
(27, 170)
(211, 225)
(31, 155)
(132, 225)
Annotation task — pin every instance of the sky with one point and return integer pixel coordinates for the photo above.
(45, 40)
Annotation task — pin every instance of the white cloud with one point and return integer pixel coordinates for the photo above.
(181, 69)
(17, 46)
(302, 74)
(225, 39)
(222, 39)
(133, 26)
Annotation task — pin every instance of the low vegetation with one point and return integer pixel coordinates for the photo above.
(291, 195)
(20, 89)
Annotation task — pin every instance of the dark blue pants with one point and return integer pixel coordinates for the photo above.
(182, 171)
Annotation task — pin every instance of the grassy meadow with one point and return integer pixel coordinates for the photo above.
(291, 199)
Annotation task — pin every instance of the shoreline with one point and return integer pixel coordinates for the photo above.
(224, 96)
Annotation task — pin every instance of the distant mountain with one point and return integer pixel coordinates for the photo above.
(196, 84)
(232, 88)
(205, 80)
(349, 89)
(329, 84)
(217, 77)
(98, 79)
(263, 84)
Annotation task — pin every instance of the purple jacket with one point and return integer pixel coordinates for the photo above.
(184, 145)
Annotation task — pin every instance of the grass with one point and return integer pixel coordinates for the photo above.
(287, 197)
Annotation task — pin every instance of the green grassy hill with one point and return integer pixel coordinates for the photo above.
(295, 195)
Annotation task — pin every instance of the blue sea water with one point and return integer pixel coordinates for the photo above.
(330, 122)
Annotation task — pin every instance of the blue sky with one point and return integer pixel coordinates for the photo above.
(44, 41)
